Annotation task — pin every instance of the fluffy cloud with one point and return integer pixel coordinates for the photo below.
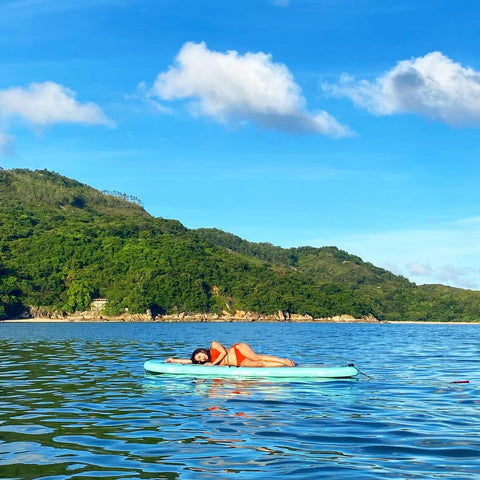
(229, 86)
(49, 103)
(432, 86)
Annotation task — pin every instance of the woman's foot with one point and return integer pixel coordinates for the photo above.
(289, 363)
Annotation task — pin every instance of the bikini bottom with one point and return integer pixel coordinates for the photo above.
(239, 356)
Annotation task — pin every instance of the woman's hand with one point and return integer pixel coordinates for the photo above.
(183, 361)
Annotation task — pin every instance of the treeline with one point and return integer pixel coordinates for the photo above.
(63, 244)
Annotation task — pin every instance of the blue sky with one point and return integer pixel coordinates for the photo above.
(351, 123)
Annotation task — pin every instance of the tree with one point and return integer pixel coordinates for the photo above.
(79, 296)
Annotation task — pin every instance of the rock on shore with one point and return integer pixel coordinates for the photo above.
(238, 316)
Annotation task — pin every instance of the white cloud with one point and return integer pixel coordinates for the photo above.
(250, 87)
(49, 103)
(432, 86)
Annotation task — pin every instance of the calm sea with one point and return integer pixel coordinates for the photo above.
(75, 403)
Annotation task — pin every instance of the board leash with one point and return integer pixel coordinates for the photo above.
(358, 370)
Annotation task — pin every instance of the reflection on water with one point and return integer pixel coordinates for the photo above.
(75, 403)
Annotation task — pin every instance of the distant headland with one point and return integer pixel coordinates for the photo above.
(66, 246)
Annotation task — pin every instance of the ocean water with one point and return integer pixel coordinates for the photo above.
(76, 403)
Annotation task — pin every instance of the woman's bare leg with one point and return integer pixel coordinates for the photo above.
(267, 360)
(260, 363)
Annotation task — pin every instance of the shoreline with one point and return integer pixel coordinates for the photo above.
(96, 314)
(238, 316)
(79, 319)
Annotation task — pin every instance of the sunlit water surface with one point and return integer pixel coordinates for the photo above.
(76, 403)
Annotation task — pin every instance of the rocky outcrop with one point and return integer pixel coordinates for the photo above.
(244, 316)
(237, 316)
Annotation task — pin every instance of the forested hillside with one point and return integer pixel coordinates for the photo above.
(63, 244)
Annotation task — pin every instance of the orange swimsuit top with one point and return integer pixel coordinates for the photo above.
(214, 354)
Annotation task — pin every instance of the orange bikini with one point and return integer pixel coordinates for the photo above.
(214, 354)
(239, 356)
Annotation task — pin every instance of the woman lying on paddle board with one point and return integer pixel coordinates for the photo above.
(238, 355)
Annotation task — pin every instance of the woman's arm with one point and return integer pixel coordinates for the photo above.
(184, 361)
(219, 348)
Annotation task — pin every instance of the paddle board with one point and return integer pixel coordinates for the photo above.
(161, 367)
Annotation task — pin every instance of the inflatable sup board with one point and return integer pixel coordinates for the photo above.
(161, 367)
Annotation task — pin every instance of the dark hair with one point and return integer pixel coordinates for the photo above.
(198, 350)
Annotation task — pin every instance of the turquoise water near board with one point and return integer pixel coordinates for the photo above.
(76, 403)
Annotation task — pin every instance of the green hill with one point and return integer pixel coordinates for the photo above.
(63, 243)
